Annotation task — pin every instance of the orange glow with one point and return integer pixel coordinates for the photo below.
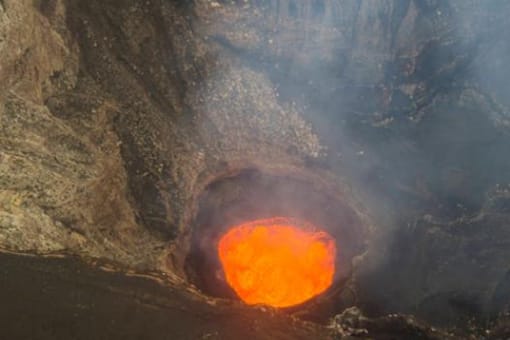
(275, 262)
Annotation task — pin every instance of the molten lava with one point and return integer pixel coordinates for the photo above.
(275, 262)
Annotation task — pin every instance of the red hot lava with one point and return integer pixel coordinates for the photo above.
(277, 263)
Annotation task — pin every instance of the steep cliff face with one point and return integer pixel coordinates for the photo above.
(63, 179)
(115, 116)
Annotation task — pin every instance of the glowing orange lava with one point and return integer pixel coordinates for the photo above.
(276, 263)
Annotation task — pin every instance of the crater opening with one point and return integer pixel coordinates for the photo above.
(293, 221)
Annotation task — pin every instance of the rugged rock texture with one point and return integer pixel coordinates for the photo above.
(109, 143)
(115, 115)
(63, 180)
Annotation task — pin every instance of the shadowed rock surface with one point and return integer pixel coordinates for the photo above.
(117, 116)
(64, 298)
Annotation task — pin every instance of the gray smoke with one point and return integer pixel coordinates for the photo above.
(410, 99)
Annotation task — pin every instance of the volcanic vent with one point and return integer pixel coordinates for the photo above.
(283, 240)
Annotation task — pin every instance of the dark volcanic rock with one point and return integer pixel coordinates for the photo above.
(65, 298)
